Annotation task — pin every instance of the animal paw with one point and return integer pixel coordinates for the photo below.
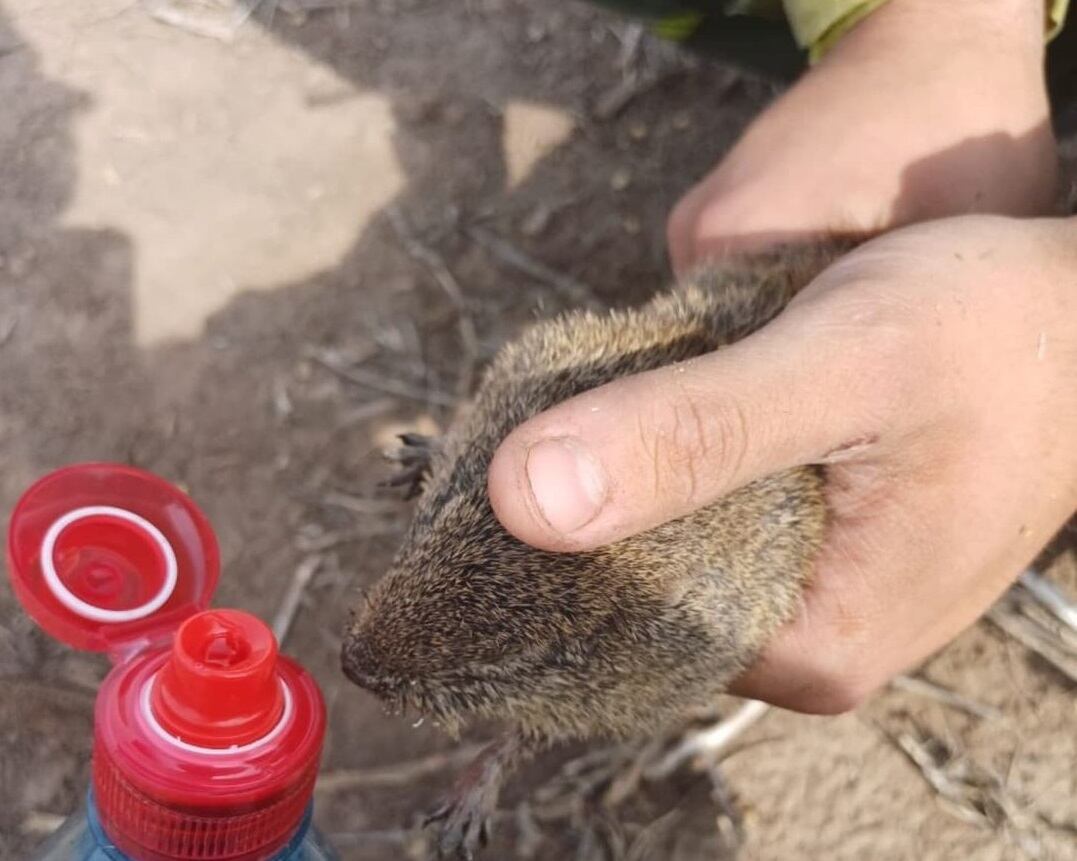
(464, 820)
(464, 829)
(413, 456)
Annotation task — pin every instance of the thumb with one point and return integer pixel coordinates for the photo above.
(816, 382)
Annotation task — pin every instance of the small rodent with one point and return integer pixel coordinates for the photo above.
(619, 641)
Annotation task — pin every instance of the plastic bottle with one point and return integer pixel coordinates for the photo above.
(206, 740)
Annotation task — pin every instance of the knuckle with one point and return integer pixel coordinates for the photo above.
(695, 446)
(697, 226)
(681, 228)
(689, 447)
(716, 216)
(679, 222)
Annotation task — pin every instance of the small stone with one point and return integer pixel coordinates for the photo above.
(536, 222)
(682, 120)
(631, 225)
(621, 179)
(638, 131)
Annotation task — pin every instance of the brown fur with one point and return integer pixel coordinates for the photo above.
(618, 641)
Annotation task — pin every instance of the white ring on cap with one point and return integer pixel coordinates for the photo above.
(146, 708)
(91, 611)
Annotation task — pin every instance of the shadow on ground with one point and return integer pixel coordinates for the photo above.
(282, 451)
(272, 444)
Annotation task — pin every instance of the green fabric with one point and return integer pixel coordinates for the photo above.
(1056, 17)
(816, 24)
(819, 24)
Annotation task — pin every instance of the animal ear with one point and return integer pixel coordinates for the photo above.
(413, 457)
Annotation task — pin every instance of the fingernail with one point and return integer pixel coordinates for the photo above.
(566, 482)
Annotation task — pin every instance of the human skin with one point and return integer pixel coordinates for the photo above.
(924, 109)
(932, 369)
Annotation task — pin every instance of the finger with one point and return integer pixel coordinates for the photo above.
(640, 451)
(708, 226)
(681, 231)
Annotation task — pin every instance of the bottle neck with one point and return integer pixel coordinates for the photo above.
(288, 851)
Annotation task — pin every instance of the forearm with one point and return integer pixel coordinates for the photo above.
(999, 45)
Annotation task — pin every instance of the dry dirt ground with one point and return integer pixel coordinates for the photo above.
(194, 233)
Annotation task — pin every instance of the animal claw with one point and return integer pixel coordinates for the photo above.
(466, 816)
(414, 459)
(417, 440)
(465, 825)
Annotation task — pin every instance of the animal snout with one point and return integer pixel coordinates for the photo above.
(363, 666)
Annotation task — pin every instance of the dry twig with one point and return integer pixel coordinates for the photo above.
(380, 382)
(1051, 597)
(302, 7)
(39, 824)
(966, 790)
(570, 289)
(923, 688)
(529, 836)
(633, 85)
(397, 774)
(708, 742)
(220, 25)
(1036, 614)
(649, 841)
(289, 605)
(369, 410)
(447, 282)
(7, 325)
(361, 504)
(328, 540)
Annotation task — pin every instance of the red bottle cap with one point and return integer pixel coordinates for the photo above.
(219, 688)
(206, 741)
(109, 558)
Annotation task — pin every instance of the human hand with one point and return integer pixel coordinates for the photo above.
(933, 371)
(923, 110)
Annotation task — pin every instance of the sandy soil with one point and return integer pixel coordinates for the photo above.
(191, 229)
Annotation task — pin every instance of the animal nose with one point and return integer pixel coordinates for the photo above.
(361, 664)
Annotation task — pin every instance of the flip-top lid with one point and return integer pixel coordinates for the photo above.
(110, 558)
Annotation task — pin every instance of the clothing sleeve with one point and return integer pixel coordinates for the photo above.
(1056, 16)
(818, 24)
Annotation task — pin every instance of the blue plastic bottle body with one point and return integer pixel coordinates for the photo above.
(81, 838)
